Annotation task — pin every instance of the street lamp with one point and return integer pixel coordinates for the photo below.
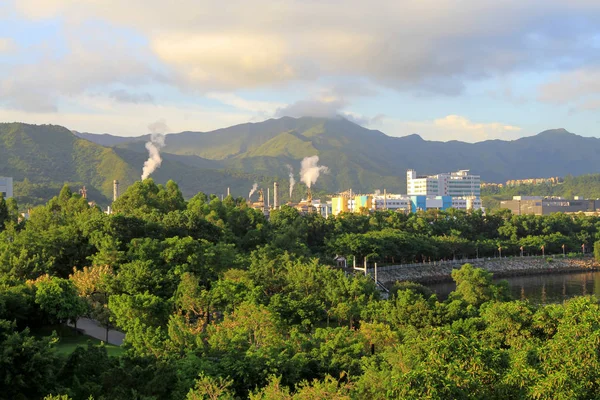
(542, 250)
(563, 247)
(500, 251)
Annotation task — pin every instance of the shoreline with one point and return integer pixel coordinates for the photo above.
(500, 268)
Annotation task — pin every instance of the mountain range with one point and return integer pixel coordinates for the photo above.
(235, 157)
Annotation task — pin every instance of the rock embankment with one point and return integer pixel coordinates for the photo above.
(500, 267)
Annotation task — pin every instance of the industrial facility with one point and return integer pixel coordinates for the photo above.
(458, 190)
(453, 184)
(401, 203)
(307, 205)
(538, 205)
(6, 187)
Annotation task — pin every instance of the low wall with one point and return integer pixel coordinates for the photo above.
(500, 267)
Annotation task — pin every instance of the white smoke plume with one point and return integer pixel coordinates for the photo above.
(157, 142)
(254, 187)
(292, 180)
(310, 171)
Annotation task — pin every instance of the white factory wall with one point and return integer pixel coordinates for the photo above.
(6, 187)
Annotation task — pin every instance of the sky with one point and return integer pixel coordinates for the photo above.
(467, 70)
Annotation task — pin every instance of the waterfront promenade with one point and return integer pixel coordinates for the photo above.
(500, 267)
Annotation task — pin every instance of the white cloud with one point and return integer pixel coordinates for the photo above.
(7, 45)
(453, 127)
(91, 62)
(580, 87)
(227, 61)
(125, 96)
(321, 108)
(421, 45)
(256, 106)
(99, 115)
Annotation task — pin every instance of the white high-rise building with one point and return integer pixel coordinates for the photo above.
(455, 184)
(6, 187)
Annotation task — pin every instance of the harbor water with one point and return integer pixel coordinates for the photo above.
(541, 289)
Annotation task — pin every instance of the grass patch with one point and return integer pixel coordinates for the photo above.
(67, 344)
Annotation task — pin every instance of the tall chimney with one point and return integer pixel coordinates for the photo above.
(275, 195)
(115, 190)
(268, 198)
(385, 199)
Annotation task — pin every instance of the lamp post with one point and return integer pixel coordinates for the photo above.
(563, 247)
(543, 251)
(500, 251)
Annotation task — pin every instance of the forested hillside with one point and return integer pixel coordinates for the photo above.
(41, 158)
(51, 155)
(236, 157)
(366, 159)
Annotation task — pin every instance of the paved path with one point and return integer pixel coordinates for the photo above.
(94, 329)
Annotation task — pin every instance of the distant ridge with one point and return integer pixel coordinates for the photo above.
(358, 158)
(105, 139)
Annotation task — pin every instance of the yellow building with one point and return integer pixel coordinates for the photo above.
(339, 205)
(356, 204)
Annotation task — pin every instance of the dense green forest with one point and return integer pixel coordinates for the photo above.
(219, 302)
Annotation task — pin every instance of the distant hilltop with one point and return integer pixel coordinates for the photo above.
(529, 181)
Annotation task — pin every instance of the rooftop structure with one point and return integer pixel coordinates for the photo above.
(454, 184)
(538, 205)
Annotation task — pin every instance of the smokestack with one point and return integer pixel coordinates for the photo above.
(115, 190)
(351, 201)
(268, 198)
(228, 192)
(385, 199)
(275, 195)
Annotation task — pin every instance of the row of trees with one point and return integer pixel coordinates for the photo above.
(67, 233)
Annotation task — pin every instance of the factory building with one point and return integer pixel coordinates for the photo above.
(521, 205)
(454, 184)
(467, 203)
(6, 187)
(394, 202)
(423, 203)
(402, 203)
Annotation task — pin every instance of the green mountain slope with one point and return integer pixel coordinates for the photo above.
(358, 158)
(51, 154)
(368, 159)
(287, 144)
(41, 158)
